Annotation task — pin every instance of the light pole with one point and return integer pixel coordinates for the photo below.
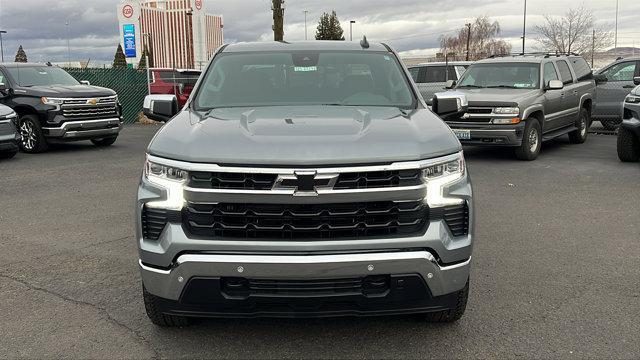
(616, 41)
(68, 45)
(305, 24)
(524, 26)
(351, 29)
(1, 44)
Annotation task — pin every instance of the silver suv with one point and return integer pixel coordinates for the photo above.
(303, 179)
(433, 77)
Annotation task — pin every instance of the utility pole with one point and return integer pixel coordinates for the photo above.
(147, 42)
(351, 29)
(468, 38)
(593, 46)
(524, 26)
(278, 20)
(1, 44)
(305, 24)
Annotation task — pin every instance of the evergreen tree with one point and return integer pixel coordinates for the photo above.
(142, 65)
(120, 60)
(21, 56)
(329, 27)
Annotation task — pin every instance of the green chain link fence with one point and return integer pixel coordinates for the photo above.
(130, 84)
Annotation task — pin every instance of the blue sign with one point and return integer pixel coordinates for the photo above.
(129, 32)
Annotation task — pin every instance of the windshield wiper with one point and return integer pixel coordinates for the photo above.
(471, 86)
(502, 87)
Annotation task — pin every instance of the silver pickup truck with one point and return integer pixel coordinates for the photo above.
(304, 179)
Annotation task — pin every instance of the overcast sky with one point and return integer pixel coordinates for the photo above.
(410, 26)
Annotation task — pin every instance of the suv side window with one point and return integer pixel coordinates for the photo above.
(414, 71)
(581, 68)
(435, 74)
(550, 73)
(623, 71)
(565, 72)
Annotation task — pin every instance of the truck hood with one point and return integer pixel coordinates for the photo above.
(304, 135)
(498, 97)
(72, 91)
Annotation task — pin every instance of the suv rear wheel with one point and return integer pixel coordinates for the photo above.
(32, 139)
(628, 146)
(580, 136)
(531, 141)
(156, 316)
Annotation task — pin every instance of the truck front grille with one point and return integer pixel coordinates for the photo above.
(98, 108)
(241, 287)
(346, 181)
(308, 221)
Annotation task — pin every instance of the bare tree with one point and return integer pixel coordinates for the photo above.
(573, 32)
(482, 42)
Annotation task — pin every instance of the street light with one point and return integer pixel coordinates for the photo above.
(1, 44)
(351, 29)
(68, 45)
(305, 24)
(524, 26)
(616, 41)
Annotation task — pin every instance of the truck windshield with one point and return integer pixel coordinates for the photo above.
(502, 75)
(305, 78)
(41, 76)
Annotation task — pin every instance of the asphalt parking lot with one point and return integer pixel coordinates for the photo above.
(555, 273)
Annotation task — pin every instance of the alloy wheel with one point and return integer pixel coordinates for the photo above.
(28, 135)
(533, 140)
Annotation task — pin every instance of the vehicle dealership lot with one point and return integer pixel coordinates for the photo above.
(555, 266)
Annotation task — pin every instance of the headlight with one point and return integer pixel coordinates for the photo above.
(438, 176)
(631, 99)
(52, 101)
(506, 111)
(169, 178)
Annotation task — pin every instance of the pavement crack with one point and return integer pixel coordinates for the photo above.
(100, 309)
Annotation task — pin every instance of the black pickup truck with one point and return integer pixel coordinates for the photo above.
(53, 106)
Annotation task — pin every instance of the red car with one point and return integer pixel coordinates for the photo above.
(179, 82)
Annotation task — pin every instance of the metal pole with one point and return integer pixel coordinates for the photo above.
(305, 24)
(68, 45)
(2, 44)
(468, 39)
(524, 26)
(616, 41)
(593, 46)
(146, 46)
(351, 29)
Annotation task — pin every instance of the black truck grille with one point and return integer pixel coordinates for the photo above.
(305, 288)
(153, 222)
(309, 221)
(91, 112)
(346, 181)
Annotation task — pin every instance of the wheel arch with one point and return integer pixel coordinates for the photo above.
(537, 112)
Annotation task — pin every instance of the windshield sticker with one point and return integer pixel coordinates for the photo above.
(305, 68)
(522, 85)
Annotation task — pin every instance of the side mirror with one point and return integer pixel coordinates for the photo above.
(600, 79)
(160, 107)
(636, 80)
(4, 90)
(450, 84)
(449, 104)
(85, 82)
(555, 85)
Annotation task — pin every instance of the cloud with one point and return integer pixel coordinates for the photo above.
(411, 26)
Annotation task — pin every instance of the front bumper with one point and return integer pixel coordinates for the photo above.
(85, 129)
(9, 136)
(415, 283)
(487, 134)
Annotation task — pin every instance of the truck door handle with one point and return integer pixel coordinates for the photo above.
(575, 92)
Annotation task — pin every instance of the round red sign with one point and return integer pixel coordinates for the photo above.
(127, 11)
(199, 4)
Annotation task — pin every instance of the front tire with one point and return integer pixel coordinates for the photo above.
(104, 142)
(151, 305)
(628, 146)
(33, 140)
(451, 315)
(531, 141)
(580, 136)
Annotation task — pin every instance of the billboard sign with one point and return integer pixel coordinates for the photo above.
(129, 32)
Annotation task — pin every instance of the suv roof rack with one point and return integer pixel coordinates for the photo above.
(535, 54)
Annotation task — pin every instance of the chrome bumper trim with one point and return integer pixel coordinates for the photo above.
(441, 280)
(85, 128)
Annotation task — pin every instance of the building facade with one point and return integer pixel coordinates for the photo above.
(178, 33)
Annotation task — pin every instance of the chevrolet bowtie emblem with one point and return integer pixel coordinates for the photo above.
(92, 101)
(306, 183)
